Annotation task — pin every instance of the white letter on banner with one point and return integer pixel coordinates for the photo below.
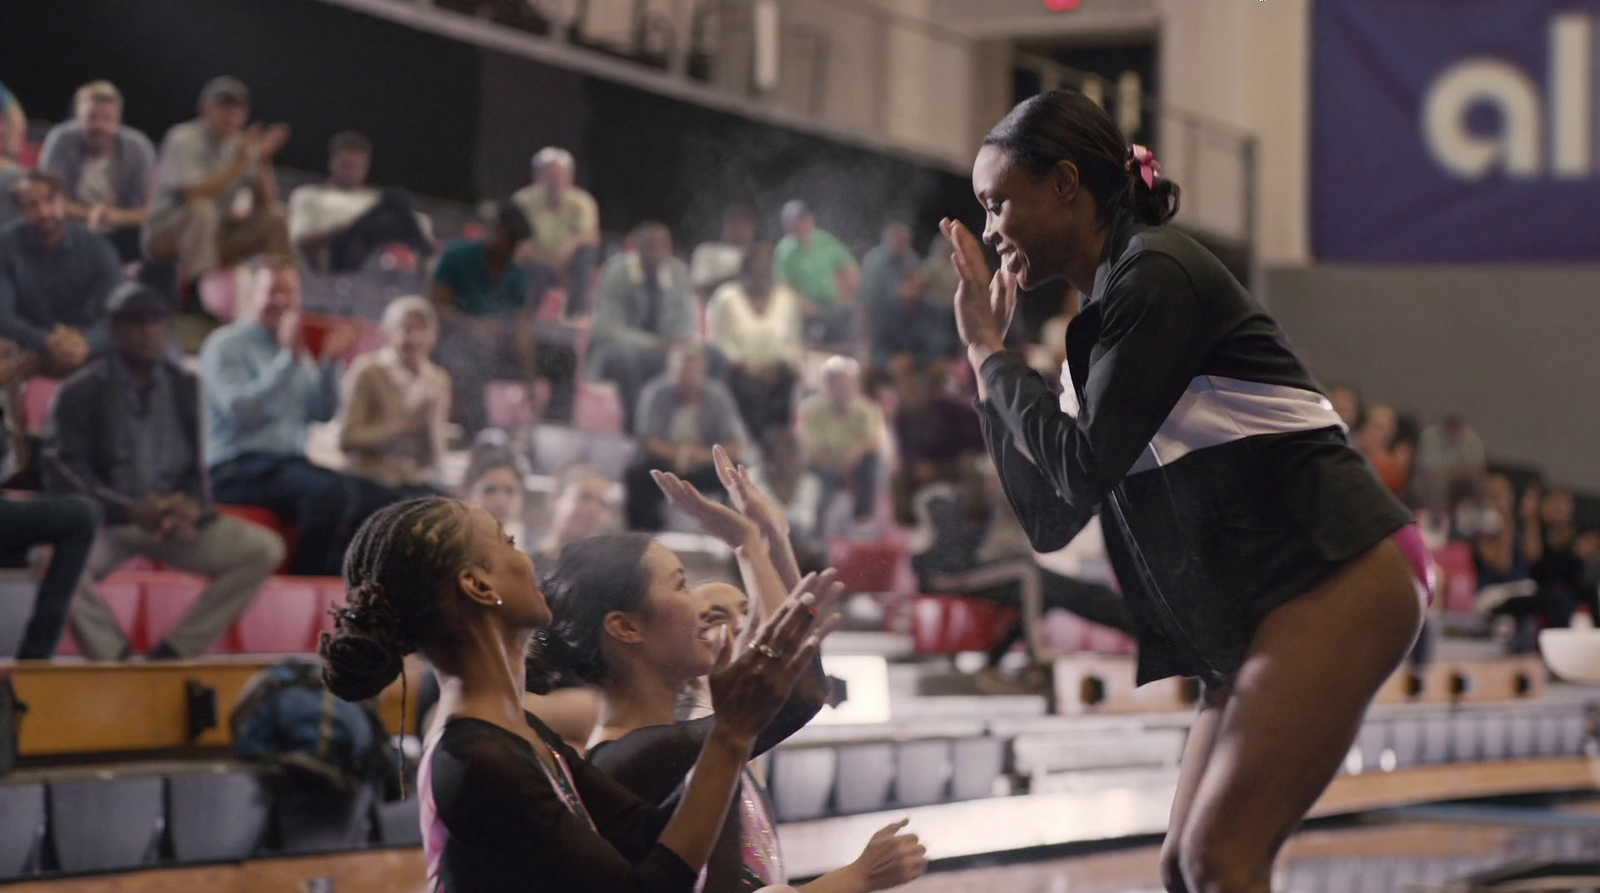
(1463, 86)
(1571, 94)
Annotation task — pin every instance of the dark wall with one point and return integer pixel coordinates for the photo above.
(1514, 348)
(454, 121)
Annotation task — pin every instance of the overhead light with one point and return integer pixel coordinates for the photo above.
(1062, 5)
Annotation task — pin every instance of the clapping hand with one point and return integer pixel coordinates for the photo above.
(748, 688)
(753, 502)
(890, 859)
(984, 301)
(720, 521)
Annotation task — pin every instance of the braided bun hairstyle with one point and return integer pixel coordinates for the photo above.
(400, 564)
(1065, 125)
(591, 578)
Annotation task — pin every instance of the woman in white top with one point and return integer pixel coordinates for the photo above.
(397, 402)
(756, 322)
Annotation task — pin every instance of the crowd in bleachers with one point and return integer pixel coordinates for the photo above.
(233, 437)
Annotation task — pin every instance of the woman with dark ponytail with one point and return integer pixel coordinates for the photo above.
(628, 623)
(1257, 551)
(506, 806)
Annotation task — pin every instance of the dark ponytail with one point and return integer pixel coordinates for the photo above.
(591, 578)
(1064, 125)
(396, 571)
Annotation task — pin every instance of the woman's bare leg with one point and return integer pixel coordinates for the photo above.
(1295, 709)
(1196, 751)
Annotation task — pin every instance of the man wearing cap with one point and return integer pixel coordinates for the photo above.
(566, 224)
(818, 266)
(125, 431)
(204, 168)
(54, 279)
(105, 167)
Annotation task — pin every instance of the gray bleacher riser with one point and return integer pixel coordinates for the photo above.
(922, 772)
(978, 763)
(106, 823)
(216, 816)
(556, 447)
(802, 781)
(17, 591)
(1048, 754)
(22, 828)
(310, 820)
(364, 293)
(865, 779)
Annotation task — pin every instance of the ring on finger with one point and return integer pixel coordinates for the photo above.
(765, 650)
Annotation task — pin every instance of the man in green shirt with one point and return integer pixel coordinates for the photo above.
(818, 266)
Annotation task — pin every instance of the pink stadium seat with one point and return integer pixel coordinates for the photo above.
(282, 620)
(554, 305)
(38, 396)
(598, 409)
(219, 293)
(510, 404)
(28, 158)
(1458, 583)
(317, 326)
(167, 597)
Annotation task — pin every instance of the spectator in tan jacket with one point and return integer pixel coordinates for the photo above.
(397, 403)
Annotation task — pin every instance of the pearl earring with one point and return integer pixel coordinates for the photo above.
(498, 601)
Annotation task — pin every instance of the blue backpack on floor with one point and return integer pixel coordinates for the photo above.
(286, 718)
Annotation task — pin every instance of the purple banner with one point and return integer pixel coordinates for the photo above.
(1455, 130)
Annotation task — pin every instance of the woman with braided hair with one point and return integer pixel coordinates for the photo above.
(1255, 548)
(505, 804)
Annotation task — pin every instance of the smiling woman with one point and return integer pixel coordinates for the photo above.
(1252, 543)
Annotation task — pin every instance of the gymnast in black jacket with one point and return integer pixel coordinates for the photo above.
(1255, 548)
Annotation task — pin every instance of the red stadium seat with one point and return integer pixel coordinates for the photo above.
(330, 595)
(28, 158)
(282, 620)
(124, 594)
(867, 566)
(950, 624)
(510, 404)
(255, 514)
(1458, 572)
(317, 326)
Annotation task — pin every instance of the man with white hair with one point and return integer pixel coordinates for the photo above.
(840, 431)
(106, 167)
(566, 224)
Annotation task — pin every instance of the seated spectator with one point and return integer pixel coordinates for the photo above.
(126, 431)
(496, 481)
(67, 524)
(1556, 554)
(935, 432)
(1505, 583)
(1348, 404)
(16, 128)
(566, 225)
(682, 415)
(337, 225)
(397, 403)
(840, 431)
(1451, 466)
(823, 271)
(953, 517)
(54, 279)
(203, 168)
(643, 307)
(884, 270)
(583, 508)
(715, 264)
(755, 322)
(106, 168)
(486, 303)
(1378, 440)
(913, 329)
(263, 390)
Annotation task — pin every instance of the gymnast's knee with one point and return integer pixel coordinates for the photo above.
(1213, 864)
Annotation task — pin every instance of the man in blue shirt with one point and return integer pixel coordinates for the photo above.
(263, 390)
(486, 302)
(54, 279)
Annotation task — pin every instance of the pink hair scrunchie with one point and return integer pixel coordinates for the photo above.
(1149, 167)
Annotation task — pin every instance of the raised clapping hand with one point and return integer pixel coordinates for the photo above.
(750, 500)
(984, 301)
(720, 521)
(749, 688)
